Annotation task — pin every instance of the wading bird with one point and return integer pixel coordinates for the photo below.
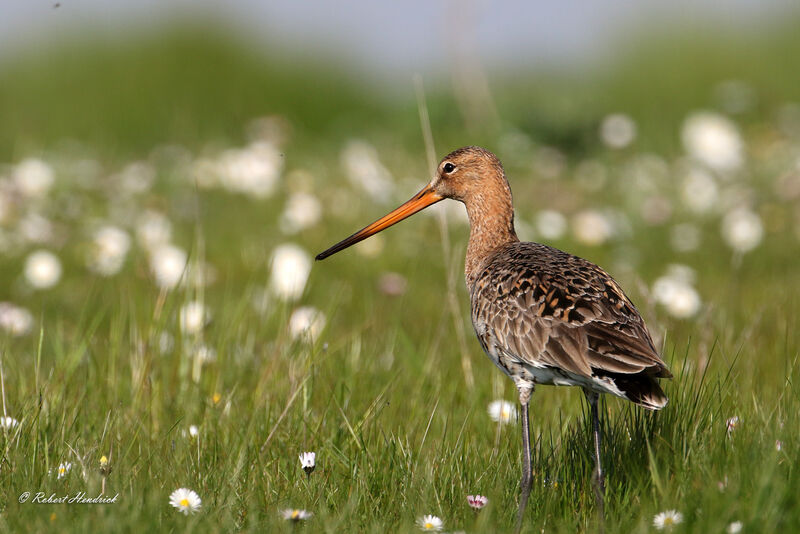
(543, 316)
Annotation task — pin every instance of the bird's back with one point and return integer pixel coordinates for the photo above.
(546, 316)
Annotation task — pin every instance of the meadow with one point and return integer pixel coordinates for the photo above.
(161, 201)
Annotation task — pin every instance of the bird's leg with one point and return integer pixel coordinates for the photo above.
(527, 475)
(598, 477)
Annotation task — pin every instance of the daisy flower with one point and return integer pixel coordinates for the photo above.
(308, 462)
(477, 501)
(63, 469)
(502, 411)
(8, 423)
(293, 514)
(185, 500)
(732, 423)
(430, 523)
(667, 520)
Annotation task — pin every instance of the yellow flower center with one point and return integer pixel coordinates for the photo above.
(216, 397)
(184, 502)
(295, 514)
(669, 521)
(62, 470)
(429, 525)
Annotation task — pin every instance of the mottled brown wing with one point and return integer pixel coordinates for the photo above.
(551, 309)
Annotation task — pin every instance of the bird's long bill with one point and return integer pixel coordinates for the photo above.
(418, 202)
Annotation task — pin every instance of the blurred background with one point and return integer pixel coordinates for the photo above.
(215, 147)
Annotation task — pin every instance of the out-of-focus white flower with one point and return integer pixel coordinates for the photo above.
(364, 170)
(253, 171)
(778, 445)
(656, 209)
(306, 321)
(153, 230)
(15, 320)
(502, 411)
(137, 177)
(308, 461)
(35, 228)
(591, 227)
(699, 191)
(734, 528)
(372, 247)
(392, 284)
(33, 177)
(667, 520)
(295, 515)
(167, 263)
(742, 230)
(8, 423)
(714, 140)
(194, 432)
(204, 354)
(551, 224)
(302, 211)
(685, 237)
(193, 317)
(42, 269)
(591, 175)
(617, 130)
(109, 248)
(675, 292)
(549, 162)
(185, 500)
(291, 266)
(430, 523)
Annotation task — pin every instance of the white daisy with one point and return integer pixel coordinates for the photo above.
(306, 321)
(742, 229)
(33, 177)
(308, 461)
(168, 262)
(502, 411)
(666, 520)
(732, 423)
(617, 130)
(291, 266)
(477, 501)
(193, 317)
(430, 523)
(42, 269)
(8, 423)
(185, 500)
(63, 469)
(109, 248)
(713, 139)
(293, 514)
(15, 320)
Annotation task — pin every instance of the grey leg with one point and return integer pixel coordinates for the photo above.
(598, 477)
(527, 475)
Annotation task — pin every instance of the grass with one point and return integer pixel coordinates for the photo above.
(383, 395)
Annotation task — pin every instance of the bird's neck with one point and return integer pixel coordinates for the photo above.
(491, 219)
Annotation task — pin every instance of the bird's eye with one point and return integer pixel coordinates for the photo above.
(449, 167)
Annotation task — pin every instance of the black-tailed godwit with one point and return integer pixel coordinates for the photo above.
(542, 315)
